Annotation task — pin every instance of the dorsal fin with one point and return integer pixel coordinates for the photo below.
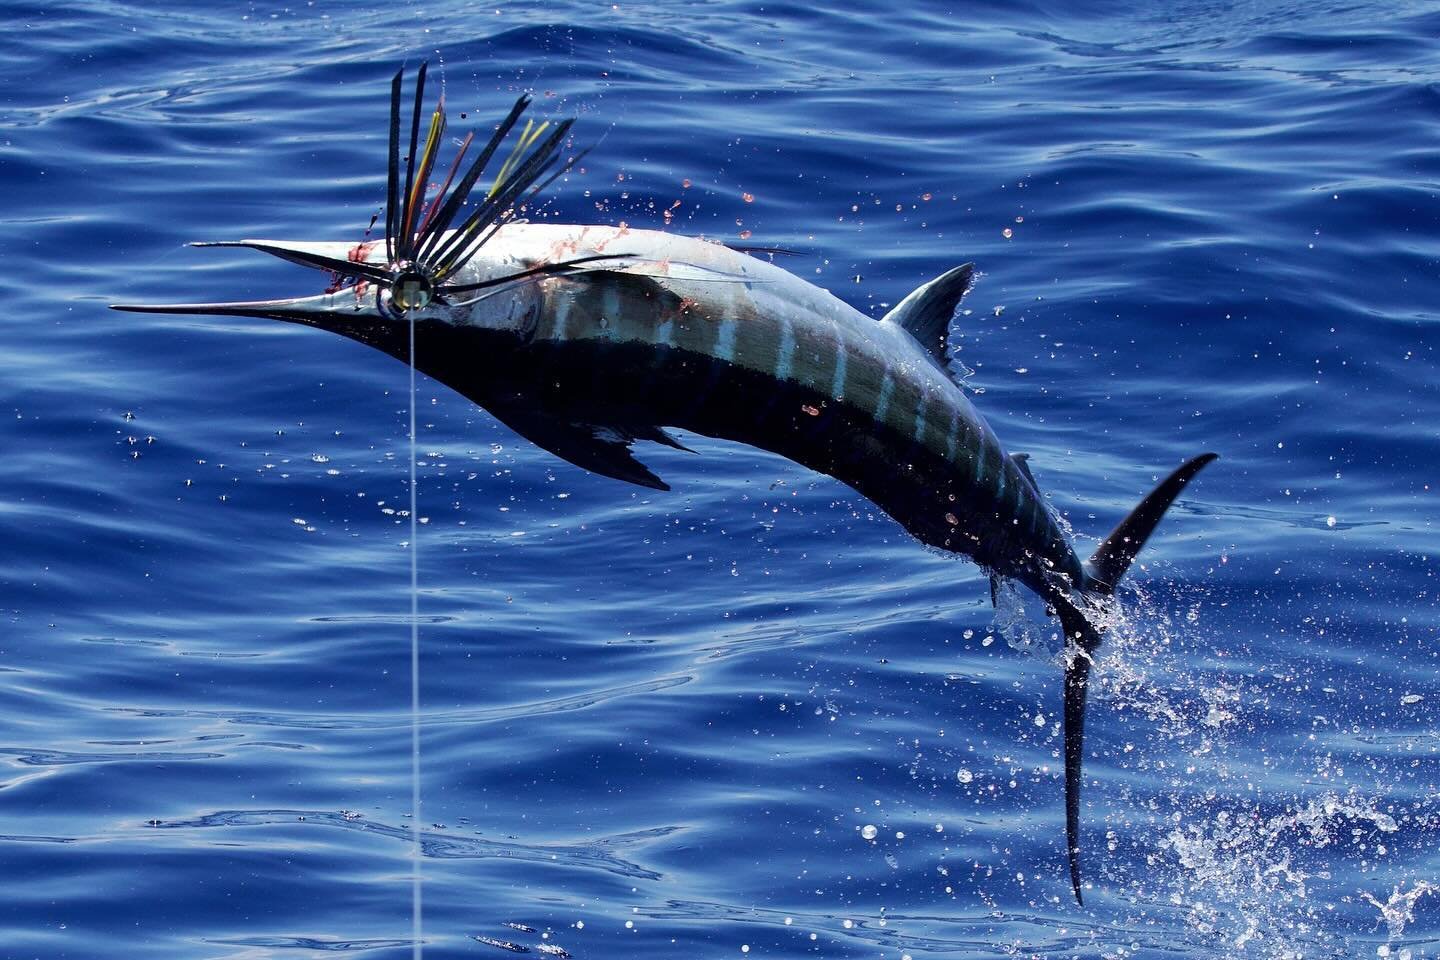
(1022, 460)
(926, 313)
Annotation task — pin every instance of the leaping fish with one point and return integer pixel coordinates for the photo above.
(586, 339)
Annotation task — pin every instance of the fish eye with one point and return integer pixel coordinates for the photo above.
(411, 289)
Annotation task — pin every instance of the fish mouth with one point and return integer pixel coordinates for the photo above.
(364, 282)
(308, 310)
(340, 259)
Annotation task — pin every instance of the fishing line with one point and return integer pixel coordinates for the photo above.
(522, 177)
(416, 846)
(417, 926)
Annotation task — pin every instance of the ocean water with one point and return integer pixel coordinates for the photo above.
(659, 724)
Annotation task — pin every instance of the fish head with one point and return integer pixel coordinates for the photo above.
(374, 301)
(442, 260)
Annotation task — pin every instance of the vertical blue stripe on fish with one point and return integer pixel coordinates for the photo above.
(610, 312)
(665, 333)
(561, 315)
(785, 357)
(882, 404)
(725, 341)
(920, 416)
(951, 435)
(837, 388)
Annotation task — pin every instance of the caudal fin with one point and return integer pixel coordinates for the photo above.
(1082, 636)
(1113, 557)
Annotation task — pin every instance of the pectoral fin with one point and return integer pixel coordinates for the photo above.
(662, 269)
(599, 448)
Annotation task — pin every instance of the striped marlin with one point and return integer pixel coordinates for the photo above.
(587, 339)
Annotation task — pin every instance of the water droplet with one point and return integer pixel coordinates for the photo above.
(963, 775)
(869, 831)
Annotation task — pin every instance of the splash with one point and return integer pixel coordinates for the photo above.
(1399, 910)
(1246, 876)
(1246, 844)
(1018, 622)
(1141, 672)
(1251, 875)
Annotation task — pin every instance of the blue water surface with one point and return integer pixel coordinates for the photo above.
(658, 724)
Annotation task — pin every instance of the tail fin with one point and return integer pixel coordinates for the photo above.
(1113, 557)
(1082, 637)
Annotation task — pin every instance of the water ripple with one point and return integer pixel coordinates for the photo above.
(594, 855)
(309, 943)
(428, 719)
